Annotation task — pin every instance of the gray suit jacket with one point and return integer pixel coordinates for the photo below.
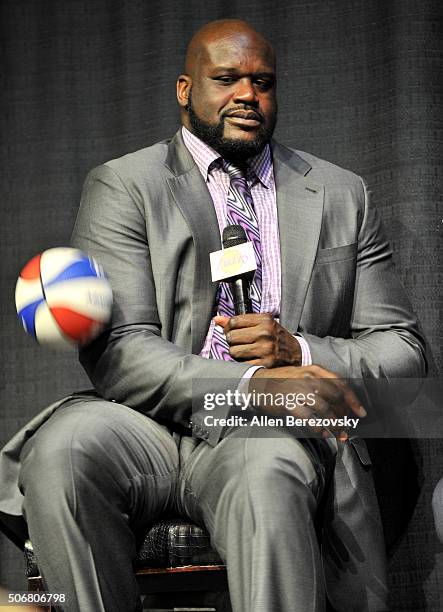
(149, 219)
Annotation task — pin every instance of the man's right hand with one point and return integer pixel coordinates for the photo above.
(329, 397)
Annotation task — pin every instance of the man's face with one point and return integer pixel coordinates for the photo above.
(231, 101)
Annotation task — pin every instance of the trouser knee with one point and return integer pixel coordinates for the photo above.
(92, 451)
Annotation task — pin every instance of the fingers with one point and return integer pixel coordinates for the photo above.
(250, 320)
(278, 401)
(245, 329)
(327, 411)
(245, 320)
(333, 399)
(336, 391)
(256, 350)
(252, 353)
(237, 322)
(261, 350)
(250, 336)
(351, 399)
(304, 412)
(260, 336)
(221, 320)
(331, 394)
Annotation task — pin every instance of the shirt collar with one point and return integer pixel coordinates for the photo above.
(204, 156)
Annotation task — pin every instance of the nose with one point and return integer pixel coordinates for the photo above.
(245, 91)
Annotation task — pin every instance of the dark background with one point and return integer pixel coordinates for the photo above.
(360, 84)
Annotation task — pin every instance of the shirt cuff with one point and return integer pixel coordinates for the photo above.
(306, 357)
(306, 360)
(243, 385)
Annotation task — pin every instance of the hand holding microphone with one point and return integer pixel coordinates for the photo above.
(256, 338)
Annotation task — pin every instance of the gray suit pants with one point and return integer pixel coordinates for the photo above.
(97, 473)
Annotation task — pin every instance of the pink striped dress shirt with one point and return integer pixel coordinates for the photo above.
(261, 182)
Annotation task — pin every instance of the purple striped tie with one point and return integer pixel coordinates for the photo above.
(240, 211)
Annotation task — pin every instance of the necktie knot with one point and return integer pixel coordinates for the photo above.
(233, 170)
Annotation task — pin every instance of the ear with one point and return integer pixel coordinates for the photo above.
(184, 83)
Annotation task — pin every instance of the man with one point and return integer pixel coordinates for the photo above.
(327, 296)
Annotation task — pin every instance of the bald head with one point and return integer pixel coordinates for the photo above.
(235, 30)
(227, 93)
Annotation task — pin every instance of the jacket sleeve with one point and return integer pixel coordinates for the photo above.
(385, 341)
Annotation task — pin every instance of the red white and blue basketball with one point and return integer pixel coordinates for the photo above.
(63, 298)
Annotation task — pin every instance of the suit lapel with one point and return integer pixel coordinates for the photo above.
(300, 209)
(194, 201)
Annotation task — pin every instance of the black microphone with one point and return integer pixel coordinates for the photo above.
(241, 284)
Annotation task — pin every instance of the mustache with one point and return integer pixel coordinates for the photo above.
(244, 112)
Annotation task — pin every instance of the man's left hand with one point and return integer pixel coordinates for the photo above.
(259, 339)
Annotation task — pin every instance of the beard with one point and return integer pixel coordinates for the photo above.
(233, 149)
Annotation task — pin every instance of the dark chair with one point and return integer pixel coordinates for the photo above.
(175, 567)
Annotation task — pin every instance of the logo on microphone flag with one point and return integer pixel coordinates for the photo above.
(233, 261)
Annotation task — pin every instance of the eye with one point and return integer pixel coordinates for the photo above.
(264, 84)
(225, 79)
